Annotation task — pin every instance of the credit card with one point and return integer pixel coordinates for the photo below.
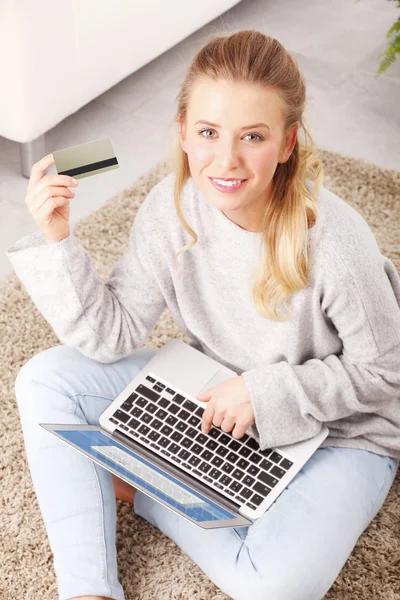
(87, 159)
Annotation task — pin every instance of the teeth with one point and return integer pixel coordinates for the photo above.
(228, 183)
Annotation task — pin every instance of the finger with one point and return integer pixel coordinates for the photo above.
(238, 431)
(38, 170)
(228, 423)
(40, 199)
(48, 207)
(208, 416)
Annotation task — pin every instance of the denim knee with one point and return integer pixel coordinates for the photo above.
(40, 368)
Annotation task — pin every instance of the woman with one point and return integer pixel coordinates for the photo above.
(243, 249)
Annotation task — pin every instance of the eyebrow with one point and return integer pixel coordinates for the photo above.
(245, 127)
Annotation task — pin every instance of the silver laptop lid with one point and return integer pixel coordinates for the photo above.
(140, 469)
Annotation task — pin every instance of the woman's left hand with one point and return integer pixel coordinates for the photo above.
(229, 407)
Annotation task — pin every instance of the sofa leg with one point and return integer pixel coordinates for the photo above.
(30, 153)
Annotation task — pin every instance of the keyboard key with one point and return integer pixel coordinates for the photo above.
(227, 467)
(183, 414)
(251, 443)
(253, 470)
(156, 424)
(129, 402)
(214, 433)
(136, 412)
(181, 426)
(222, 451)
(191, 432)
(204, 467)
(212, 444)
(161, 414)
(186, 442)
(235, 486)
(225, 480)
(243, 464)
(237, 474)
(246, 493)
(248, 480)
(261, 488)
(265, 478)
(194, 420)
(121, 416)
(164, 442)
(147, 393)
(189, 405)
(199, 412)
(224, 439)
(201, 438)
(215, 474)
(217, 461)
(150, 378)
(245, 451)
(206, 455)
(171, 420)
(134, 423)
(151, 408)
(265, 464)
(176, 436)
(141, 402)
(232, 456)
(184, 454)
(174, 448)
(173, 408)
(178, 398)
(275, 457)
(278, 472)
(153, 435)
(163, 402)
(144, 429)
(286, 464)
(255, 458)
(235, 445)
(146, 418)
(197, 448)
(166, 430)
(194, 460)
(256, 499)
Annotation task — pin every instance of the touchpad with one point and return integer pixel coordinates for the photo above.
(215, 380)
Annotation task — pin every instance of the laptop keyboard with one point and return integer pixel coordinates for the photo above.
(164, 420)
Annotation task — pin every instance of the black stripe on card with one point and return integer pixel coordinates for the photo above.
(91, 167)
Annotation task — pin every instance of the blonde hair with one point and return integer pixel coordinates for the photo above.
(251, 56)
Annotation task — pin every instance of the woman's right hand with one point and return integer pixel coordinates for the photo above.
(47, 199)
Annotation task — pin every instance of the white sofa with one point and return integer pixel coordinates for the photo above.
(58, 55)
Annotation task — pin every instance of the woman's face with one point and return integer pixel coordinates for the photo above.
(232, 149)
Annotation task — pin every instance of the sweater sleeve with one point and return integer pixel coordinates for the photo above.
(291, 402)
(107, 320)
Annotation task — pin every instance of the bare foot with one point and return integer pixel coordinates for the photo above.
(123, 491)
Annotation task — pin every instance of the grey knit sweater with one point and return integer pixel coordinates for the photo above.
(336, 362)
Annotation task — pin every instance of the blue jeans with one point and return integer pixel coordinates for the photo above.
(293, 552)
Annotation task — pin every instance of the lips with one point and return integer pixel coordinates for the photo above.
(230, 178)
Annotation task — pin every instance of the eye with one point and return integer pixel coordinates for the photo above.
(208, 129)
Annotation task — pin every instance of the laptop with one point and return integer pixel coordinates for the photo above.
(150, 436)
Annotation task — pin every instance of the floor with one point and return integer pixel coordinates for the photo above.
(350, 109)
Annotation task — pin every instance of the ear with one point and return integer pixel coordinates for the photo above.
(291, 138)
(182, 135)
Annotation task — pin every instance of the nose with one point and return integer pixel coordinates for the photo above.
(228, 156)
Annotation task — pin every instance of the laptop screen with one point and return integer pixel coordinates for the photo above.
(140, 471)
